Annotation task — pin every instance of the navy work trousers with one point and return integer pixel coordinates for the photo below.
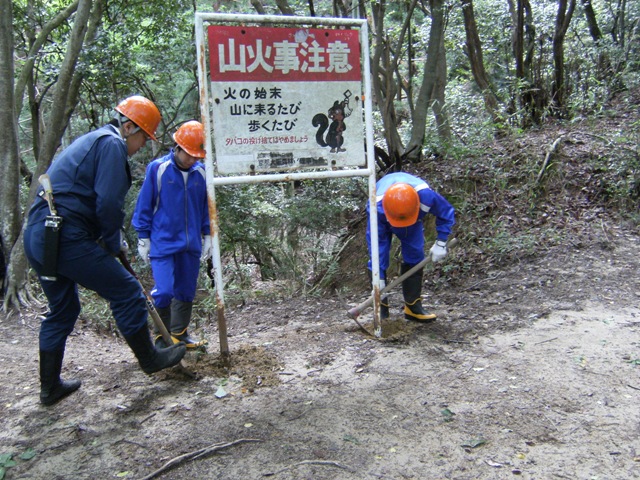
(81, 261)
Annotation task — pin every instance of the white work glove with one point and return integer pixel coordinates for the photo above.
(438, 251)
(144, 247)
(206, 248)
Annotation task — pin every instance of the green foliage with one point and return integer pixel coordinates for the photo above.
(469, 120)
(287, 230)
(503, 244)
(7, 461)
(149, 51)
(619, 179)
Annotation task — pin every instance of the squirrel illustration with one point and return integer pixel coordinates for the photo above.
(334, 137)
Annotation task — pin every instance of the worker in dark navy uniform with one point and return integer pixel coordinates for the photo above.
(89, 182)
(402, 202)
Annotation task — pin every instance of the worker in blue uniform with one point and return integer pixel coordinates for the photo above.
(172, 221)
(89, 181)
(402, 202)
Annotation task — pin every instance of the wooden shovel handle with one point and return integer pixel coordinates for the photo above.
(155, 316)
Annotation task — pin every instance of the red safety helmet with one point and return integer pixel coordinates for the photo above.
(190, 137)
(142, 112)
(401, 205)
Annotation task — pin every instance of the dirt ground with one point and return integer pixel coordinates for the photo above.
(531, 371)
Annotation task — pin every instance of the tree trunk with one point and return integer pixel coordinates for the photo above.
(63, 102)
(284, 7)
(341, 8)
(517, 39)
(523, 85)
(428, 82)
(622, 23)
(9, 150)
(43, 35)
(257, 4)
(474, 51)
(592, 22)
(438, 98)
(535, 95)
(603, 65)
(563, 18)
(405, 85)
(383, 85)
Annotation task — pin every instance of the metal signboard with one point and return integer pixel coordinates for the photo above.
(286, 98)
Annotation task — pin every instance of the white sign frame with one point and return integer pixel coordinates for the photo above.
(212, 179)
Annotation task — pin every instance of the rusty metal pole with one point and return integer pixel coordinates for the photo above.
(211, 194)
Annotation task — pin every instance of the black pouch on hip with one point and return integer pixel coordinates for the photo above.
(52, 225)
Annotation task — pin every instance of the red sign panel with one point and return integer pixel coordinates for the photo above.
(246, 54)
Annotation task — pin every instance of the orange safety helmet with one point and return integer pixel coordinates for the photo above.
(401, 205)
(142, 112)
(190, 137)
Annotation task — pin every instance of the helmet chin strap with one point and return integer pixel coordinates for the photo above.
(121, 121)
(136, 130)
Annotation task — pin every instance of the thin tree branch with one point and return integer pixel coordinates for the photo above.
(547, 159)
(310, 462)
(197, 454)
(55, 22)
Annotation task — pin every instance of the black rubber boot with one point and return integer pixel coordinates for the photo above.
(52, 387)
(165, 316)
(411, 289)
(180, 319)
(384, 308)
(153, 359)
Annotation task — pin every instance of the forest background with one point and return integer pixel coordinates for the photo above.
(450, 79)
(525, 115)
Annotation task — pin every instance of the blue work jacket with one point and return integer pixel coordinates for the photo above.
(172, 211)
(412, 237)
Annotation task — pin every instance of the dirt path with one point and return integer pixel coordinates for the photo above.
(531, 371)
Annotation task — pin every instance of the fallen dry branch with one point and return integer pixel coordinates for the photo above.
(488, 279)
(310, 462)
(545, 164)
(197, 454)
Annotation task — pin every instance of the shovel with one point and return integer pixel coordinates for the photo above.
(157, 321)
(356, 311)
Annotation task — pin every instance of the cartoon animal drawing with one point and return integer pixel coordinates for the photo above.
(334, 138)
